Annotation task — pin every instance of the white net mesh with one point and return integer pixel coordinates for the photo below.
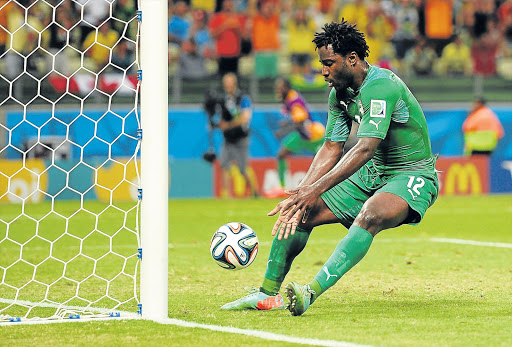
(69, 143)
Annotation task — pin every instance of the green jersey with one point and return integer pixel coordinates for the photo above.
(384, 108)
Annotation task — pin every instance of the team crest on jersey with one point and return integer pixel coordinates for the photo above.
(378, 108)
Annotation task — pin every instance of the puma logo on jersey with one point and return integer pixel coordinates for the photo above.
(327, 273)
(376, 124)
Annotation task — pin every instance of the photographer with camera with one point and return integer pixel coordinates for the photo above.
(234, 110)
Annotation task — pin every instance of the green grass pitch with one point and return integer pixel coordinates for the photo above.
(408, 291)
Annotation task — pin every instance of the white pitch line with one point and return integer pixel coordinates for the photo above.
(472, 242)
(170, 321)
(260, 334)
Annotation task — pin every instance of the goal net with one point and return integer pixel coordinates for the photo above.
(70, 140)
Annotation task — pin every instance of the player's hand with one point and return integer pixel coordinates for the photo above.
(285, 229)
(299, 204)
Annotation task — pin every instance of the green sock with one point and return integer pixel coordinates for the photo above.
(281, 169)
(348, 253)
(280, 259)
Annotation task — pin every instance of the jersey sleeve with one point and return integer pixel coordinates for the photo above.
(379, 99)
(338, 122)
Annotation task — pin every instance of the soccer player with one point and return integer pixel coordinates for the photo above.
(387, 179)
(307, 136)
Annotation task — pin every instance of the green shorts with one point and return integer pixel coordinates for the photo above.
(419, 189)
(297, 144)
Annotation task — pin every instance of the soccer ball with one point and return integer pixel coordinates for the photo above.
(234, 246)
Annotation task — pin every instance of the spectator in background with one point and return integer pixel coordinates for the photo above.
(505, 16)
(301, 30)
(483, 11)
(123, 56)
(406, 17)
(482, 129)
(125, 11)
(455, 59)
(179, 23)
(379, 32)
(439, 22)
(94, 11)
(98, 45)
(24, 39)
(206, 5)
(227, 28)
(325, 11)
(419, 60)
(356, 13)
(67, 61)
(484, 49)
(4, 10)
(265, 37)
(200, 33)
(193, 64)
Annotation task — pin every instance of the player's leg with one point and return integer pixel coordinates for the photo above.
(379, 212)
(403, 199)
(292, 143)
(282, 165)
(282, 254)
(284, 251)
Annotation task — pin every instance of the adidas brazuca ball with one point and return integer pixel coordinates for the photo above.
(234, 246)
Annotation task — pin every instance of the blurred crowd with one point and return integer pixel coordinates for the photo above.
(259, 38)
(267, 38)
(66, 36)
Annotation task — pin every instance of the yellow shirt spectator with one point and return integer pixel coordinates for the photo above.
(355, 12)
(300, 36)
(5, 8)
(25, 38)
(455, 59)
(101, 46)
(207, 5)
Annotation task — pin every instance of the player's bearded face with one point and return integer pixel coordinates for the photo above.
(335, 69)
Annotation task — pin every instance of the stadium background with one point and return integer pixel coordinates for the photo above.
(477, 65)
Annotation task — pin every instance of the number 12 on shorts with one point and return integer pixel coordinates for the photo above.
(414, 188)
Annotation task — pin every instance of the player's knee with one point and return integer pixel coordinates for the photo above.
(370, 220)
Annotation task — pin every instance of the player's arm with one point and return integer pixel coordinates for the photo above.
(355, 158)
(325, 159)
(336, 133)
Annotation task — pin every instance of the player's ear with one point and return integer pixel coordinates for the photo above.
(352, 59)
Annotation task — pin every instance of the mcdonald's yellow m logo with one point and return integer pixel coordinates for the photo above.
(463, 177)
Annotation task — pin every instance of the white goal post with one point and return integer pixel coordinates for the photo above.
(154, 153)
(84, 174)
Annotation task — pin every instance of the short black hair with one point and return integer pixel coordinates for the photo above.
(343, 37)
